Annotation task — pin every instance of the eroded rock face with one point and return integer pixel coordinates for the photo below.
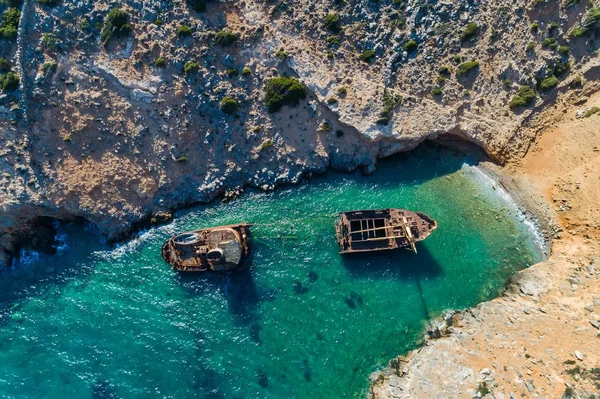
(106, 133)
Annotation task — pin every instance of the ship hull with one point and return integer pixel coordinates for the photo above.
(382, 230)
(219, 248)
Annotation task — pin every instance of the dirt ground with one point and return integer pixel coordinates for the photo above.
(542, 338)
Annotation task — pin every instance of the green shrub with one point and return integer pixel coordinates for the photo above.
(466, 67)
(550, 42)
(592, 18)
(590, 21)
(229, 105)
(552, 26)
(281, 54)
(437, 91)
(576, 82)
(191, 67)
(564, 50)
(266, 144)
(10, 23)
(283, 90)
(332, 100)
(50, 41)
(524, 97)
(160, 62)
(535, 27)
(561, 68)
(231, 72)
(9, 82)
(182, 159)
(531, 46)
(548, 83)
(342, 91)
(457, 59)
(184, 30)
(246, 71)
(469, 31)
(4, 65)
(116, 23)
(332, 22)
(367, 55)
(592, 111)
(49, 67)
(333, 40)
(225, 37)
(577, 31)
(440, 79)
(410, 46)
(444, 70)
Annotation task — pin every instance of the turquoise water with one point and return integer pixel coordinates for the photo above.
(299, 321)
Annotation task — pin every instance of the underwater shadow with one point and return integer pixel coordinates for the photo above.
(238, 289)
(399, 264)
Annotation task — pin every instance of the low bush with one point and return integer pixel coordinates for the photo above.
(229, 105)
(410, 46)
(225, 37)
(437, 91)
(9, 82)
(592, 111)
(116, 24)
(332, 22)
(548, 83)
(466, 67)
(160, 62)
(590, 21)
(469, 32)
(367, 55)
(332, 100)
(50, 41)
(444, 70)
(246, 71)
(4, 65)
(524, 97)
(10, 23)
(531, 46)
(184, 30)
(577, 82)
(191, 67)
(283, 90)
(564, 50)
(49, 67)
(550, 42)
(561, 68)
(535, 27)
(231, 72)
(281, 54)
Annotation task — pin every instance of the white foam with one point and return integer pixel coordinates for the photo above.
(498, 191)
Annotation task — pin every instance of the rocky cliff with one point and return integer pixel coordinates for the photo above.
(121, 111)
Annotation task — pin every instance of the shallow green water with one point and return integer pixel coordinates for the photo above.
(299, 322)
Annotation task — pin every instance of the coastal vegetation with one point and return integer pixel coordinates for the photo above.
(283, 90)
(524, 97)
(9, 23)
(466, 67)
(115, 24)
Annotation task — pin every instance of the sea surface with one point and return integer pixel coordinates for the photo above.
(298, 321)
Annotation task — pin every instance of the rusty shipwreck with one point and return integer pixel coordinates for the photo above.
(385, 229)
(220, 248)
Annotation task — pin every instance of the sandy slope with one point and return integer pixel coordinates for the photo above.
(542, 338)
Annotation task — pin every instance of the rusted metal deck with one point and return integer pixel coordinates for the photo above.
(384, 229)
(219, 248)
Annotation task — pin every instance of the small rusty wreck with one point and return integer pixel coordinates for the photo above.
(385, 229)
(220, 248)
